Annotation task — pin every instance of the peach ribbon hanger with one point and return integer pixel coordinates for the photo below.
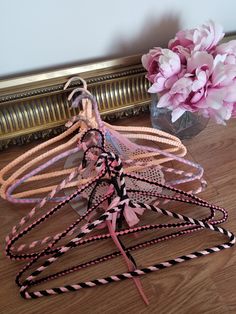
(38, 148)
(11, 179)
(137, 167)
(52, 174)
(21, 159)
(4, 170)
(131, 168)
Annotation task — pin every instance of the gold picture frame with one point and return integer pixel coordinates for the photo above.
(36, 106)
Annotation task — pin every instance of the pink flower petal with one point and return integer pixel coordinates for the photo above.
(230, 93)
(164, 101)
(176, 114)
(158, 86)
(197, 96)
(199, 59)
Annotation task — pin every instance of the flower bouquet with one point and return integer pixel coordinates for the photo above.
(194, 74)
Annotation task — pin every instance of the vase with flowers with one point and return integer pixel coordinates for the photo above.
(192, 80)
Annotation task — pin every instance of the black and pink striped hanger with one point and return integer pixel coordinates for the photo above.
(20, 230)
(110, 164)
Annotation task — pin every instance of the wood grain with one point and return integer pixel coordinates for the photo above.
(205, 285)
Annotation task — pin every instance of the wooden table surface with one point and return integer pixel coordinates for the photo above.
(204, 285)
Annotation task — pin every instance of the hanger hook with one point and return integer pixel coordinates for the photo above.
(85, 93)
(74, 78)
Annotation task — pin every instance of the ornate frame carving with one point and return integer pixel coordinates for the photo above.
(35, 106)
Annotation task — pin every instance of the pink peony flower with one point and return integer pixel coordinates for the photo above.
(204, 37)
(189, 90)
(208, 87)
(162, 65)
(195, 74)
(221, 94)
(228, 50)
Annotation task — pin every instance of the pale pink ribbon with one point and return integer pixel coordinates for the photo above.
(131, 217)
(131, 220)
(130, 213)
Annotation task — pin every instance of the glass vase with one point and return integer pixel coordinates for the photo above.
(187, 126)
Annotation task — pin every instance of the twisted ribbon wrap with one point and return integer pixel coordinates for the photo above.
(130, 213)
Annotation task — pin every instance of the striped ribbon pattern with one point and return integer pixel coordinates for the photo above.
(117, 172)
(187, 177)
(14, 236)
(58, 290)
(14, 252)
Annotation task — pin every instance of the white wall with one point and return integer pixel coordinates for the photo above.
(37, 34)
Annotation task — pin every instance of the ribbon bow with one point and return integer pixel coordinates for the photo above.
(130, 213)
